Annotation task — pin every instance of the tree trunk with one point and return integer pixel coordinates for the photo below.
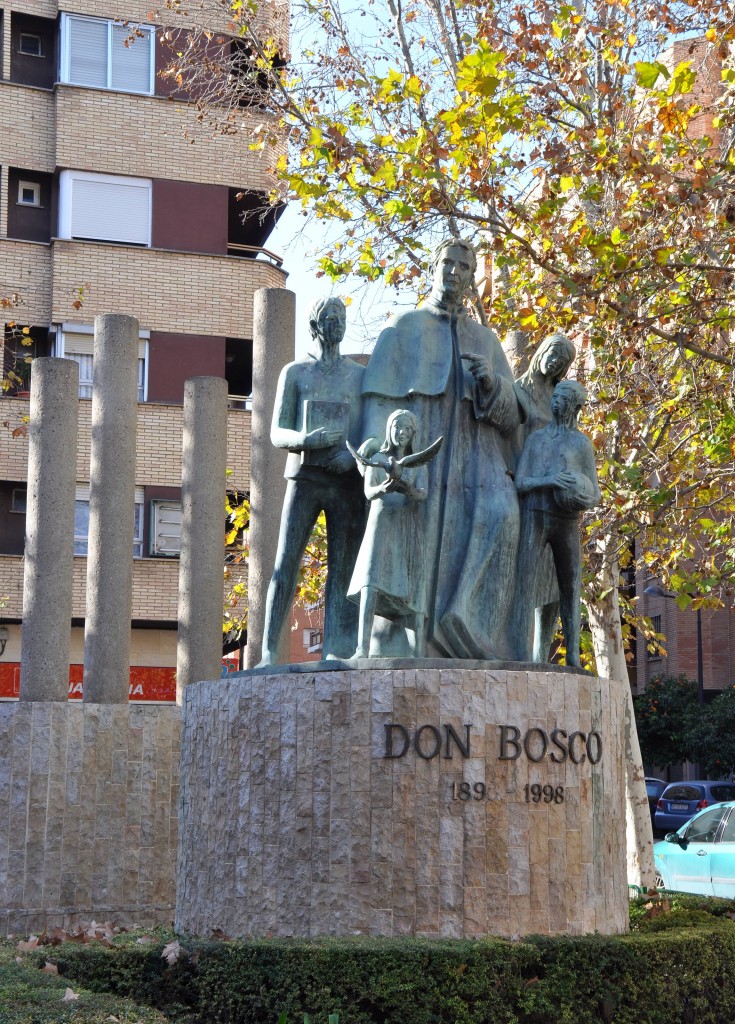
(607, 639)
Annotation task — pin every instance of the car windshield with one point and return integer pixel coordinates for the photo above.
(682, 793)
(704, 828)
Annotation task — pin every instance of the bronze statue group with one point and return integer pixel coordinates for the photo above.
(451, 491)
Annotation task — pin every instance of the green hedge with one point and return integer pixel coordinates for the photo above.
(29, 996)
(669, 971)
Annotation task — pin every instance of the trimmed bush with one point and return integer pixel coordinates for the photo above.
(676, 975)
(30, 996)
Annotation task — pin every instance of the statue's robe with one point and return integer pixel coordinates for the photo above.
(469, 523)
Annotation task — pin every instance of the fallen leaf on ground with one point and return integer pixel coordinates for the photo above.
(68, 996)
(171, 952)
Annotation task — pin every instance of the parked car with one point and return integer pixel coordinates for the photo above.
(654, 789)
(680, 800)
(700, 857)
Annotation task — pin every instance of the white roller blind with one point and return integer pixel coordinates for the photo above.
(131, 64)
(94, 53)
(111, 211)
(87, 52)
(83, 344)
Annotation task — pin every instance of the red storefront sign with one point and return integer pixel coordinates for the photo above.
(146, 683)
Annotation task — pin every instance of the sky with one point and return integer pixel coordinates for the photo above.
(300, 243)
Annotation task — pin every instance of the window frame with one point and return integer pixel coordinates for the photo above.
(65, 54)
(30, 53)
(81, 497)
(157, 504)
(64, 330)
(66, 180)
(657, 627)
(15, 503)
(706, 815)
(36, 187)
(724, 836)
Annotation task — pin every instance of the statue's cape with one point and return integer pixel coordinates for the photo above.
(413, 354)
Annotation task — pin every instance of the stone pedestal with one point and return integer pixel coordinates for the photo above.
(88, 806)
(435, 798)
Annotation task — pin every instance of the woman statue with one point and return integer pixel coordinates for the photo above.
(550, 363)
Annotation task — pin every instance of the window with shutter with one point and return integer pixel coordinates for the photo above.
(104, 208)
(78, 344)
(103, 55)
(81, 521)
(165, 528)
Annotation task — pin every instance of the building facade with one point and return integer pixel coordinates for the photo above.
(115, 198)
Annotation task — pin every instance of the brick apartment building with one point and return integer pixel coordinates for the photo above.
(114, 199)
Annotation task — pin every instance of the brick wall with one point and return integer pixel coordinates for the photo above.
(158, 461)
(155, 588)
(38, 8)
(27, 127)
(25, 267)
(205, 12)
(99, 131)
(718, 647)
(168, 291)
(158, 448)
(708, 85)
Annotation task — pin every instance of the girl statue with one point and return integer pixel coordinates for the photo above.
(388, 573)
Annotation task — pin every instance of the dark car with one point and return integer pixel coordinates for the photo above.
(682, 800)
(700, 857)
(654, 789)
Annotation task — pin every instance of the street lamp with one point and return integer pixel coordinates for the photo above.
(654, 590)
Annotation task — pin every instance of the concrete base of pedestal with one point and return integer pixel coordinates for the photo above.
(453, 801)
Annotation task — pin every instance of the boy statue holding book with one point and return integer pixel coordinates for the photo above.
(317, 410)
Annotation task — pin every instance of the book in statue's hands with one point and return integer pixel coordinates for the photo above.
(332, 416)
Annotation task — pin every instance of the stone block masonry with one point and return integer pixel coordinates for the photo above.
(356, 801)
(88, 814)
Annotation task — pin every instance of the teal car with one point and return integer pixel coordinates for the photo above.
(700, 856)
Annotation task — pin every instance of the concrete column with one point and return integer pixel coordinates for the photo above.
(204, 474)
(49, 545)
(111, 510)
(273, 347)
